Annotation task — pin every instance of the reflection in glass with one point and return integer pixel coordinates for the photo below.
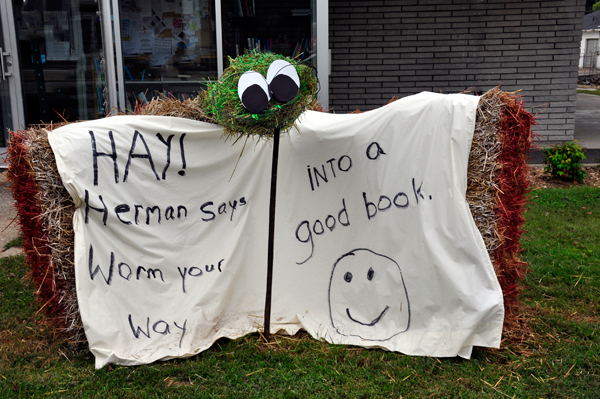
(5, 111)
(169, 48)
(60, 51)
(284, 28)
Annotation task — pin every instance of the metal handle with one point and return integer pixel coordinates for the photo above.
(4, 73)
(2, 63)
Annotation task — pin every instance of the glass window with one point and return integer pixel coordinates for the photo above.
(283, 27)
(60, 52)
(168, 48)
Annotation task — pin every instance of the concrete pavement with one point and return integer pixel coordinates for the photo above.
(587, 129)
(587, 121)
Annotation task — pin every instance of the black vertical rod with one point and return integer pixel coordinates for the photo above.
(267, 327)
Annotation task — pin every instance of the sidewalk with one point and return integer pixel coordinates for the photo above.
(587, 129)
(587, 121)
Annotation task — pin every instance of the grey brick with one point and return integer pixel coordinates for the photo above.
(550, 98)
(538, 69)
(367, 74)
(537, 58)
(365, 39)
(557, 137)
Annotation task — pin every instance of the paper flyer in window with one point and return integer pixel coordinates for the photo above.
(187, 7)
(144, 39)
(169, 6)
(155, 23)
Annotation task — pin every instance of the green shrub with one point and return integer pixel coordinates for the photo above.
(562, 160)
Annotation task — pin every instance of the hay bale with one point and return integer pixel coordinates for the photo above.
(169, 106)
(497, 184)
(513, 185)
(45, 212)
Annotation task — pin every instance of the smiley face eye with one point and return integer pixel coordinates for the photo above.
(253, 91)
(370, 274)
(348, 277)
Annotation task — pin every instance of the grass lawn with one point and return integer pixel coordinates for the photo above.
(560, 358)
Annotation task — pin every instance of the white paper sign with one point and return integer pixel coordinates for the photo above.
(374, 242)
(187, 7)
(144, 40)
(162, 46)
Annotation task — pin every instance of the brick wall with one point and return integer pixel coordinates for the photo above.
(382, 49)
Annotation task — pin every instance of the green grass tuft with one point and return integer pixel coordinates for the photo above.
(221, 100)
(14, 243)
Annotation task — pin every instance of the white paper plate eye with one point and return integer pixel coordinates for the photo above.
(253, 91)
(283, 80)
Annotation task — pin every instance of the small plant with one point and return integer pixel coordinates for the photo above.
(562, 161)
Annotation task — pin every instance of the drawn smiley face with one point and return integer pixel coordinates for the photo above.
(367, 296)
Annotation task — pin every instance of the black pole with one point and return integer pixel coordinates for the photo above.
(267, 327)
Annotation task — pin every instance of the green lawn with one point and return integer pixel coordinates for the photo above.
(561, 359)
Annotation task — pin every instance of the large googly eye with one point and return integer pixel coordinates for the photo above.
(253, 91)
(283, 80)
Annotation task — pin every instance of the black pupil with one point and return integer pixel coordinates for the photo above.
(370, 273)
(348, 277)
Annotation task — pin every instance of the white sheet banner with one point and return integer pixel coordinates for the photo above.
(374, 242)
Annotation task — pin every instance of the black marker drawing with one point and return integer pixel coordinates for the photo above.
(344, 163)
(147, 155)
(112, 155)
(304, 228)
(183, 163)
(368, 297)
(160, 327)
(374, 150)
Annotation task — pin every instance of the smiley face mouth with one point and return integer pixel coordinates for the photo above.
(375, 320)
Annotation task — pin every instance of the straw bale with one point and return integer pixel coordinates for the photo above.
(483, 166)
(45, 216)
(57, 208)
(486, 193)
(168, 106)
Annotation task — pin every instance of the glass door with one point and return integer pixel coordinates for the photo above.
(6, 113)
(11, 103)
(61, 60)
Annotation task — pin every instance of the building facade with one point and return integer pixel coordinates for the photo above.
(82, 59)
(589, 59)
(382, 49)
